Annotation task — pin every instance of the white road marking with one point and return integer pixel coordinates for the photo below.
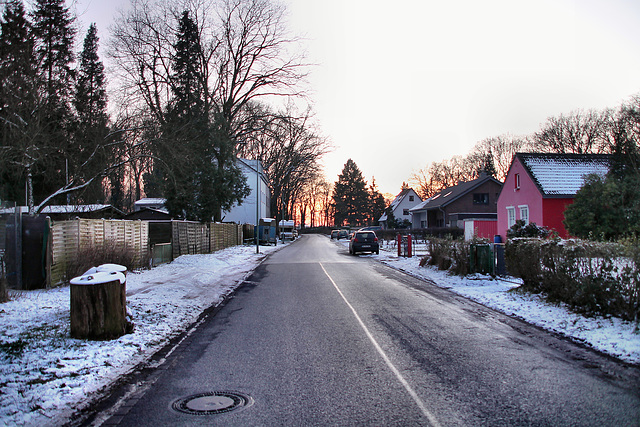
(432, 419)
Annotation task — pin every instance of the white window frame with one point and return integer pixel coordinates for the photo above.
(524, 213)
(511, 216)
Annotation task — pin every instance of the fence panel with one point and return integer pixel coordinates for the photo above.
(69, 238)
(190, 238)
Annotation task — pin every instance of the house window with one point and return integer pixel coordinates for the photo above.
(411, 198)
(481, 198)
(511, 216)
(405, 212)
(524, 213)
(517, 181)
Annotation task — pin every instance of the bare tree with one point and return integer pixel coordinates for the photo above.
(289, 150)
(622, 132)
(440, 175)
(316, 191)
(251, 59)
(579, 132)
(502, 149)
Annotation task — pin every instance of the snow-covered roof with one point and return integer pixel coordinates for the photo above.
(563, 174)
(151, 201)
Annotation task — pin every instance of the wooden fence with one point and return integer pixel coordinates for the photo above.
(197, 238)
(67, 239)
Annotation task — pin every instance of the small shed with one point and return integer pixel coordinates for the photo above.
(484, 228)
(150, 214)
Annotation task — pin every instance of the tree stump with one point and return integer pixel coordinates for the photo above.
(98, 306)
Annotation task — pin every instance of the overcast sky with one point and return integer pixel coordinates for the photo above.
(400, 84)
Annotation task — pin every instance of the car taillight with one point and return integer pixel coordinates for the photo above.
(375, 239)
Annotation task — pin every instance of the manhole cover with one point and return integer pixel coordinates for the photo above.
(216, 402)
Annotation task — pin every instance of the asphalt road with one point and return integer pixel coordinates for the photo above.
(319, 337)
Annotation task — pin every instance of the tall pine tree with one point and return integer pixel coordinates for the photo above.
(88, 156)
(18, 102)
(350, 196)
(199, 174)
(185, 127)
(54, 36)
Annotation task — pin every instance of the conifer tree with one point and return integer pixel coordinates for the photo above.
(376, 203)
(17, 101)
(200, 178)
(88, 155)
(185, 124)
(488, 166)
(54, 36)
(54, 32)
(350, 196)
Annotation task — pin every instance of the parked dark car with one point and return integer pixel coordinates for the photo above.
(364, 241)
(343, 234)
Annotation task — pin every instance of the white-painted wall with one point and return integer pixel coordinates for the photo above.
(246, 212)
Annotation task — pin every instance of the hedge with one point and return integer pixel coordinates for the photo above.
(590, 277)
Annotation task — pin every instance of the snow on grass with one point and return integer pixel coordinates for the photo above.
(45, 375)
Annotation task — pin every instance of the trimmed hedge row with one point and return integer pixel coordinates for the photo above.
(591, 277)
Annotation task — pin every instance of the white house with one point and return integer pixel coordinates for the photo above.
(246, 213)
(419, 214)
(401, 206)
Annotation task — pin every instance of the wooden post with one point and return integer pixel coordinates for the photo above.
(98, 306)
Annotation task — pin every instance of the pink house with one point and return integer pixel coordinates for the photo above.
(539, 187)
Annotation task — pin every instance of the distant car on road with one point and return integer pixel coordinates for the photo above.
(364, 241)
(334, 234)
(343, 234)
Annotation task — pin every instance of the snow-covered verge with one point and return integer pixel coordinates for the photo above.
(612, 335)
(45, 375)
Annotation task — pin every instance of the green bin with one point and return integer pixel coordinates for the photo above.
(481, 258)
